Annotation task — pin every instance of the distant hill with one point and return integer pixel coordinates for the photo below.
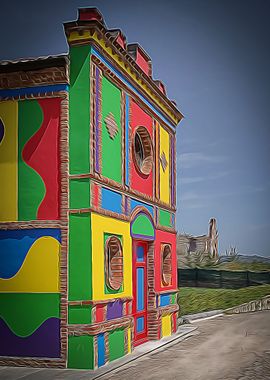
(253, 259)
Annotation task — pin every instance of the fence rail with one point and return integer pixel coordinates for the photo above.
(212, 278)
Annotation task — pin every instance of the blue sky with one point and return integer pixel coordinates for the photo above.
(213, 56)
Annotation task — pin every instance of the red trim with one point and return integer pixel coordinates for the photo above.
(141, 337)
(163, 237)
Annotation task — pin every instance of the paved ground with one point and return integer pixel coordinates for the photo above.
(226, 348)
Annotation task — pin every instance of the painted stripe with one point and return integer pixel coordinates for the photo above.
(110, 200)
(127, 137)
(97, 116)
(8, 160)
(140, 289)
(140, 324)
(134, 203)
(131, 87)
(101, 349)
(165, 299)
(129, 340)
(33, 90)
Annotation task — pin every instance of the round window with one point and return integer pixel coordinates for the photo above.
(114, 262)
(143, 152)
(166, 264)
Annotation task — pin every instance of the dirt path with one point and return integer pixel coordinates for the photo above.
(228, 348)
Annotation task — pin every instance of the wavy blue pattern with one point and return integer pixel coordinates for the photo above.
(15, 244)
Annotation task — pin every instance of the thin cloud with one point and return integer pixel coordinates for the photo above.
(190, 180)
(189, 160)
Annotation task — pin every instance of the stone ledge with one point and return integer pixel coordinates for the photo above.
(255, 305)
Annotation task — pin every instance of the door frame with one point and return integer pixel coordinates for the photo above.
(141, 337)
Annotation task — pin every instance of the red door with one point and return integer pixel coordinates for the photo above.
(140, 291)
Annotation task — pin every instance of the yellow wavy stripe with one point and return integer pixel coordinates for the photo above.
(40, 270)
(8, 162)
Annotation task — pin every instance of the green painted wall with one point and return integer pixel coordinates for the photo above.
(25, 312)
(116, 344)
(80, 314)
(173, 298)
(142, 226)
(79, 193)
(81, 352)
(111, 148)
(79, 109)
(31, 189)
(165, 218)
(80, 263)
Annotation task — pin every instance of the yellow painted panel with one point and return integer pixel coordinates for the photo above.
(75, 36)
(166, 325)
(100, 225)
(8, 162)
(129, 340)
(164, 173)
(40, 270)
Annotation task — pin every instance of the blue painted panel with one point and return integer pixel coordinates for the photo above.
(165, 299)
(127, 139)
(173, 220)
(101, 349)
(140, 253)
(128, 84)
(134, 203)
(140, 289)
(15, 244)
(110, 200)
(33, 90)
(140, 324)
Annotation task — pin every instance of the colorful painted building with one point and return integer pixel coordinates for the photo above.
(87, 202)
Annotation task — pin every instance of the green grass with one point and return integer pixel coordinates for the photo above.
(196, 300)
(235, 265)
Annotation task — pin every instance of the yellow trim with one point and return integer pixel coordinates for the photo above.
(100, 225)
(75, 36)
(164, 174)
(129, 340)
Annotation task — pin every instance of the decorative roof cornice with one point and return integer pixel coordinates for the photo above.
(84, 31)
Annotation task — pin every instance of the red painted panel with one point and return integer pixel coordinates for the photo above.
(42, 154)
(139, 182)
(142, 62)
(161, 238)
(100, 313)
(95, 195)
(174, 320)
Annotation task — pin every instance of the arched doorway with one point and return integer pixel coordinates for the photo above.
(143, 234)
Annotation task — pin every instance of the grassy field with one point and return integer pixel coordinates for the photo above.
(196, 300)
(236, 265)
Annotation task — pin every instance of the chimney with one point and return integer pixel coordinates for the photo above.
(90, 14)
(141, 58)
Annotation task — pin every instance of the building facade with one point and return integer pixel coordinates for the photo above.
(88, 266)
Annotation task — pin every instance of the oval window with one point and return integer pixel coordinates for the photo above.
(166, 264)
(114, 262)
(142, 150)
